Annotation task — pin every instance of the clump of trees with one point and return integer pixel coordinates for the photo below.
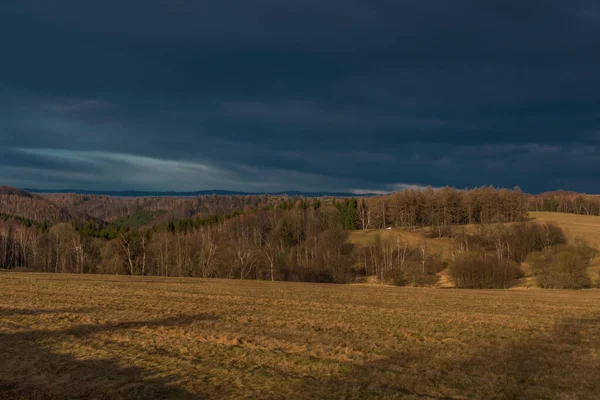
(491, 257)
(440, 208)
(397, 262)
(564, 201)
(563, 267)
(512, 242)
(477, 270)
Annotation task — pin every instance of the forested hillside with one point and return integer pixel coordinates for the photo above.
(31, 208)
(110, 208)
(261, 237)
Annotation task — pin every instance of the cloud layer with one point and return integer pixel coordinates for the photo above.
(307, 95)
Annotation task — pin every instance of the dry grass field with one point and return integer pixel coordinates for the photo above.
(109, 337)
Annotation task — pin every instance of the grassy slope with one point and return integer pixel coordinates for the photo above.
(584, 226)
(434, 246)
(70, 336)
(442, 246)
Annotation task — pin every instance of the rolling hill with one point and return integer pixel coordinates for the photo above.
(586, 227)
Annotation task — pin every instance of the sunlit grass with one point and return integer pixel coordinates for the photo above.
(586, 227)
(68, 336)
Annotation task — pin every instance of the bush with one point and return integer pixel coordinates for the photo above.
(478, 270)
(584, 250)
(413, 272)
(525, 238)
(563, 267)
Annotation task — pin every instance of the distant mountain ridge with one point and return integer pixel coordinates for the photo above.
(14, 191)
(138, 193)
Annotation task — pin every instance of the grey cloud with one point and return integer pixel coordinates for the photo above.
(308, 95)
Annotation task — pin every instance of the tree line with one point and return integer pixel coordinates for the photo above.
(442, 207)
(566, 202)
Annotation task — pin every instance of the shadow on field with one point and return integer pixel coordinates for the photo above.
(7, 312)
(36, 372)
(562, 362)
(558, 361)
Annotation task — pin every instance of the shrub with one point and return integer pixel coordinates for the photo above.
(584, 250)
(563, 267)
(413, 275)
(480, 270)
(525, 238)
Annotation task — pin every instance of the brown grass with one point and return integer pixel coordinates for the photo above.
(583, 226)
(413, 238)
(70, 336)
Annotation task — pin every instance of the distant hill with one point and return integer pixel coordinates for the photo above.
(16, 203)
(138, 208)
(135, 193)
(13, 191)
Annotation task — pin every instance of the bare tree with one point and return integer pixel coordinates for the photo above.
(423, 247)
(207, 253)
(126, 244)
(272, 251)
(364, 215)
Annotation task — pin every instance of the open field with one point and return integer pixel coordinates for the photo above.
(98, 336)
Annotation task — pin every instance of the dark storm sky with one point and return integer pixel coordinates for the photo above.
(268, 95)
